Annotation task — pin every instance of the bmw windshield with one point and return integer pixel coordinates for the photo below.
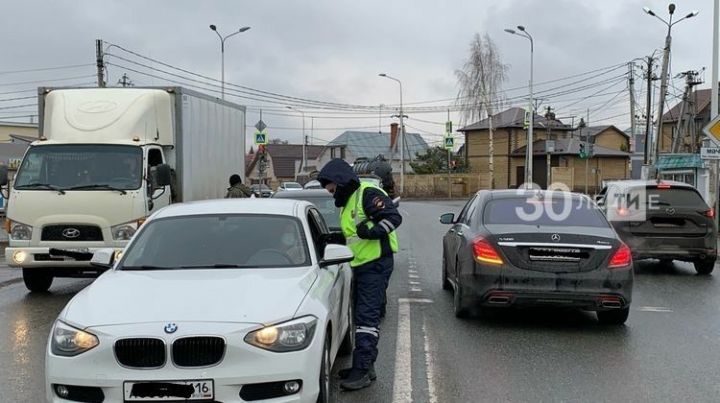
(218, 241)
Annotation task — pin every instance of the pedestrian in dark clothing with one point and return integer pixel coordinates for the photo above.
(368, 219)
(237, 189)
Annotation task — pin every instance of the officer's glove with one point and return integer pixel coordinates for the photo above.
(363, 232)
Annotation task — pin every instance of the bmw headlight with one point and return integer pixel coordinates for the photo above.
(68, 341)
(20, 232)
(293, 335)
(124, 232)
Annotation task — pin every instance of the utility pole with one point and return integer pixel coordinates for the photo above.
(714, 102)
(631, 68)
(100, 62)
(448, 159)
(549, 147)
(648, 110)
(125, 81)
(491, 145)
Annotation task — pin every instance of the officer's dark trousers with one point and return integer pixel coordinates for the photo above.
(371, 280)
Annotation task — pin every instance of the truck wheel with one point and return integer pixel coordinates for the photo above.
(37, 280)
(704, 267)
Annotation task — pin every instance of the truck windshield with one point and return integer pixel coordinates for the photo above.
(81, 166)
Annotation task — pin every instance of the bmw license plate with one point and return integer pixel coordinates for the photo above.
(159, 391)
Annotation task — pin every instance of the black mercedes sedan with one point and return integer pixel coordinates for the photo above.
(524, 248)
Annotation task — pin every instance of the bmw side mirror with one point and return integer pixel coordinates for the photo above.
(103, 258)
(447, 218)
(3, 175)
(336, 254)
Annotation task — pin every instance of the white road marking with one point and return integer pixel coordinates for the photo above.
(415, 301)
(429, 365)
(415, 289)
(654, 309)
(413, 276)
(402, 384)
(414, 282)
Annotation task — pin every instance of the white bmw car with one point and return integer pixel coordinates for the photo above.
(218, 301)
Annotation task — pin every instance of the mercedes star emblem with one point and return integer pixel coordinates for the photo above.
(71, 233)
(555, 237)
(670, 211)
(170, 328)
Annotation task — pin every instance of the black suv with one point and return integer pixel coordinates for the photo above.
(662, 220)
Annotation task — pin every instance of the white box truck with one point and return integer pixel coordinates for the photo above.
(106, 159)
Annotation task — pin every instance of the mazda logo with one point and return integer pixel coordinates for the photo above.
(170, 328)
(555, 237)
(71, 233)
(670, 211)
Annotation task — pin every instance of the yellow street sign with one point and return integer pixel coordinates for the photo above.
(712, 130)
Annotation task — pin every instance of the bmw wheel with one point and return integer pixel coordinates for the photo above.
(348, 344)
(325, 368)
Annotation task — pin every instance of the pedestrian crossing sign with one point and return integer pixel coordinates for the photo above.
(449, 142)
(261, 138)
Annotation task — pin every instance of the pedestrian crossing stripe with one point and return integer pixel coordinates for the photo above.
(260, 138)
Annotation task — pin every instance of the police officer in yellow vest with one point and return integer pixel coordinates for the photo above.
(368, 219)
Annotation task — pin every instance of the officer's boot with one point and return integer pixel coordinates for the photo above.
(357, 379)
(344, 373)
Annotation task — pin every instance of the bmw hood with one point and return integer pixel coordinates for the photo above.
(207, 295)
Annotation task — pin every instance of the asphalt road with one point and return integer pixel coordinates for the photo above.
(669, 350)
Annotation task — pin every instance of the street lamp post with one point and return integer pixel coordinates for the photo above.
(402, 135)
(304, 139)
(222, 53)
(529, 152)
(663, 74)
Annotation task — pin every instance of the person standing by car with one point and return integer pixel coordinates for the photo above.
(368, 219)
(237, 189)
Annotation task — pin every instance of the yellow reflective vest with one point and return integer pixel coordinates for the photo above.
(365, 250)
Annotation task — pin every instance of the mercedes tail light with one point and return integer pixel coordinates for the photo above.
(710, 213)
(621, 258)
(485, 252)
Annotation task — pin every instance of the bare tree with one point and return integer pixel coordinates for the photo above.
(480, 87)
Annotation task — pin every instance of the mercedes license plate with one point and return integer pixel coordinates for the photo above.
(159, 391)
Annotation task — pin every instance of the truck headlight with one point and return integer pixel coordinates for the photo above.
(124, 232)
(293, 335)
(20, 232)
(68, 341)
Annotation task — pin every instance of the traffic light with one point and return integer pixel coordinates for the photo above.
(582, 153)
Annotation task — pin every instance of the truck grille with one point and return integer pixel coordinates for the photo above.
(198, 351)
(140, 352)
(70, 232)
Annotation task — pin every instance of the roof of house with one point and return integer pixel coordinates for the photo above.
(570, 147)
(515, 118)
(593, 131)
(701, 98)
(283, 157)
(679, 161)
(371, 144)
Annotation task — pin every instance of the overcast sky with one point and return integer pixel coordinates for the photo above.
(333, 50)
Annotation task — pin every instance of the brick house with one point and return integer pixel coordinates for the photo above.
(610, 146)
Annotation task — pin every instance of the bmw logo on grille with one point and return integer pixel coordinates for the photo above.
(170, 328)
(71, 233)
(555, 237)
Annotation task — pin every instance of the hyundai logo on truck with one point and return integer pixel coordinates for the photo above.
(71, 233)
